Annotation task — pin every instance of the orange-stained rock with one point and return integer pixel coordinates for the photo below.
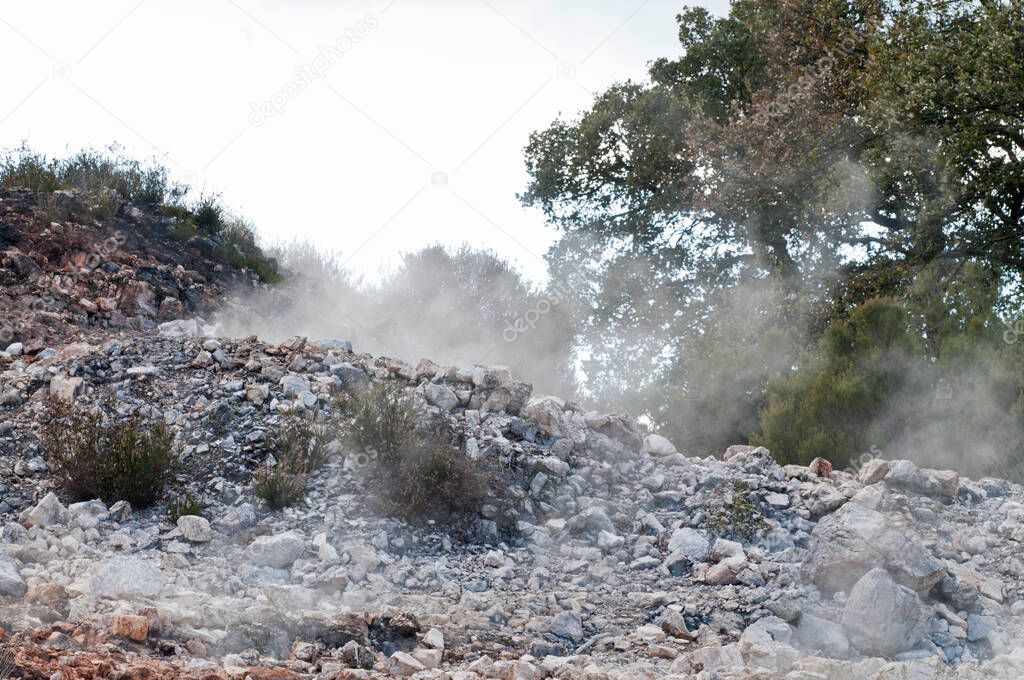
(132, 627)
(47, 593)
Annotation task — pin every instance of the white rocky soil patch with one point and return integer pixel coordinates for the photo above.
(617, 555)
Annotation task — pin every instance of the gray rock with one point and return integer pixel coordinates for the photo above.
(567, 626)
(294, 385)
(817, 635)
(904, 474)
(65, 388)
(11, 583)
(725, 548)
(339, 345)
(87, 515)
(47, 512)
(440, 396)
(236, 519)
(855, 539)
(980, 626)
(882, 617)
(195, 528)
(673, 623)
(350, 376)
(278, 551)
(128, 578)
(547, 413)
(873, 471)
(656, 445)
(179, 328)
(690, 543)
(765, 644)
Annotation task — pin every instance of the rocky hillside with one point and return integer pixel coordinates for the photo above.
(609, 554)
(599, 551)
(72, 263)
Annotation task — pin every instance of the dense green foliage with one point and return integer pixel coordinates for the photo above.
(800, 159)
(878, 384)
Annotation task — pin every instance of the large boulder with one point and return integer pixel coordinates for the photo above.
(656, 445)
(179, 328)
(47, 512)
(855, 539)
(548, 414)
(195, 528)
(125, 578)
(278, 551)
(883, 618)
(567, 626)
(621, 427)
(766, 644)
(65, 388)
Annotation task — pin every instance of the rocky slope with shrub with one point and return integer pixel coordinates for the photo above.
(73, 261)
(444, 522)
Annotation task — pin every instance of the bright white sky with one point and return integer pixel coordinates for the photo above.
(351, 161)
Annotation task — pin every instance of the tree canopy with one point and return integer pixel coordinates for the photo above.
(800, 158)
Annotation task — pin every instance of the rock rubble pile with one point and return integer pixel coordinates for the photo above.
(609, 554)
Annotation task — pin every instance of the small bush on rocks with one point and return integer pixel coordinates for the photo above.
(432, 482)
(95, 456)
(91, 171)
(208, 215)
(380, 420)
(299, 447)
(179, 506)
(280, 485)
(413, 469)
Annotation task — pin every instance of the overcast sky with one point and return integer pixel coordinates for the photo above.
(370, 128)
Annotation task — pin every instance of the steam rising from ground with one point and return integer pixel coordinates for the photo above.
(456, 307)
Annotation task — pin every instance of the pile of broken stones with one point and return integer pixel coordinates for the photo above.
(617, 557)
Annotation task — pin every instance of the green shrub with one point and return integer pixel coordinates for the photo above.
(282, 484)
(939, 385)
(413, 470)
(380, 420)
(208, 215)
(183, 231)
(92, 172)
(179, 506)
(29, 170)
(431, 482)
(299, 447)
(93, 455)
